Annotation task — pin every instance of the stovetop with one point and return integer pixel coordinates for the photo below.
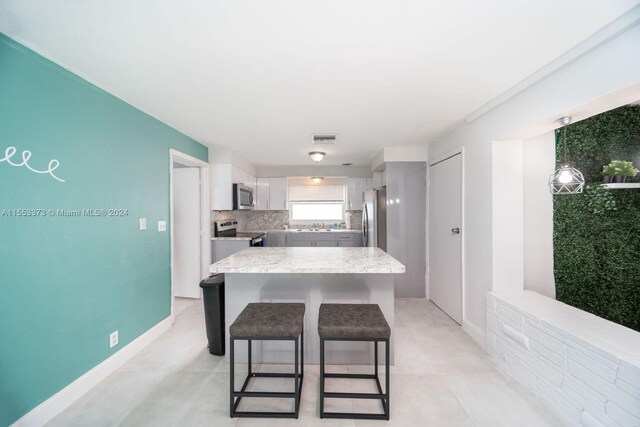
(253, 235)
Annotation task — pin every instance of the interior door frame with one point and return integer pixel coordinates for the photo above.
(432, 162)
(205, 216)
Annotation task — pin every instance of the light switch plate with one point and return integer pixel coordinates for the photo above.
(113, 339)
(142, 223)
(162, 225)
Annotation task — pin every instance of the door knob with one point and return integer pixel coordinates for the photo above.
(455, 230)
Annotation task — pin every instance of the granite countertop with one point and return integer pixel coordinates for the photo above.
(231, 238)
(309, 260)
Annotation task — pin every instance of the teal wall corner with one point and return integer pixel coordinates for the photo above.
(66, 282)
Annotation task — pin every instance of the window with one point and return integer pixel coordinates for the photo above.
(316, 203)
(316, 211)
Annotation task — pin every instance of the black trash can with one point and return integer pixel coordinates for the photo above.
(213, 297)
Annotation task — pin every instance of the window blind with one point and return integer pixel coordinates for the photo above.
(316, 193)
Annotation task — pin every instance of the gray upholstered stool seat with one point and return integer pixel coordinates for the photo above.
(352, 321)
(269, 320)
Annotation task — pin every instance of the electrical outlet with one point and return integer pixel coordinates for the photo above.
(113, 339)
(142, 223)
(162, 225)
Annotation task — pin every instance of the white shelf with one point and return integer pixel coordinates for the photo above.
(622, 186)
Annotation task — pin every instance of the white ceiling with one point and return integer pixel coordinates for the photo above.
(261, 76)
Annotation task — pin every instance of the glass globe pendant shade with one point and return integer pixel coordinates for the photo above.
(566, 180)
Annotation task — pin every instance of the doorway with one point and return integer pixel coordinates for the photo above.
(189, 226)
(445, 235)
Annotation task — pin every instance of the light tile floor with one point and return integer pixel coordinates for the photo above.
(441, 378)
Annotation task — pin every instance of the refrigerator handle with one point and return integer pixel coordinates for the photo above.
(365, 223)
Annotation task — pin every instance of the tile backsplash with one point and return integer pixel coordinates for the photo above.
(253, 219)
(268, 220)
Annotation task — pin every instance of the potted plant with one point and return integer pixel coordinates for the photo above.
(619, 170)
(608, 172)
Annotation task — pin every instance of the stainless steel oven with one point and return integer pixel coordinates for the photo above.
(229, 228)
(243, 197)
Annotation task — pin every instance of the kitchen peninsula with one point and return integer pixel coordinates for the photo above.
(311, 275)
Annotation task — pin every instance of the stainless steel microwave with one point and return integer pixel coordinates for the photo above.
(243, 197)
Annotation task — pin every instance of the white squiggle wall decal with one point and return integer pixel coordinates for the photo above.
(26, 155)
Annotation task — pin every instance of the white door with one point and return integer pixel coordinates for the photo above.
(186, 232)
(445, 231)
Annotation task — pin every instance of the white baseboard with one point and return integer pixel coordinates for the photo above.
(43, 413)
(476, 333)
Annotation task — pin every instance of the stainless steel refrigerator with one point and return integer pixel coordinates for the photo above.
(374, 218)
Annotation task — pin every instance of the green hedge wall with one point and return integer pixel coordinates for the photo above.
(597, 234)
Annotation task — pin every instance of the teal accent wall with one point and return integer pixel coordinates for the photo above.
(597, 234)
(67, 282)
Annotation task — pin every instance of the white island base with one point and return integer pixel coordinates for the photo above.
(311, 276)
(312, 290)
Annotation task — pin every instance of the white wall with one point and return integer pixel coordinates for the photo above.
(220, 154)
(402, 153)
(507, 236)
(601, 70)
(314, 170)
(538, 163)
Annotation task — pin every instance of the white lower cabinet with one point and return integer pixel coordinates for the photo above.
(325, 243)
(318, 239)
(302, 243)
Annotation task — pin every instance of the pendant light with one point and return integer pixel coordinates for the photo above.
(566, 179)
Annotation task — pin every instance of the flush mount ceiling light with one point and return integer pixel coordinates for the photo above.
(316, 156)
(566, 179)
(317, 179)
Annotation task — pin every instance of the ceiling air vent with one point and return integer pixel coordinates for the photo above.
(324, 138)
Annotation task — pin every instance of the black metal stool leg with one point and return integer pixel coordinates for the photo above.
(375, 356)
(321, 378)
(296, 376)
(249, 356)
(231, 376)
(387, 377)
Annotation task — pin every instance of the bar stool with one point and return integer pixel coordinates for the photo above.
(268, 321)
(354, 322)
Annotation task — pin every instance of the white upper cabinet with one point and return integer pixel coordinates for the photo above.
(223, 176)
(277, 194)
(355, 188)
(221, 187)
(272, 194)
(239, 176)
(262, 194)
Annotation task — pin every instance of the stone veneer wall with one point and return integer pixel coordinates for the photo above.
(583, 368)
(268, 220)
